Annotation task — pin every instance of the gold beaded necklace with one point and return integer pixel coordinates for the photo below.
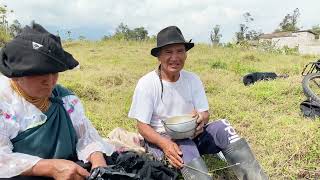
(41, 103)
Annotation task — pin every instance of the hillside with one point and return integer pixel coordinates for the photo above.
(267, 113)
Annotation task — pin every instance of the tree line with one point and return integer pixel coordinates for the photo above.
(245, 33)
(123, 32)
(288, 24)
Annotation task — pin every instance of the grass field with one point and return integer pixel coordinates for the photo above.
(267, 113)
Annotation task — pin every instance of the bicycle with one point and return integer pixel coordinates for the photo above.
(311, 81)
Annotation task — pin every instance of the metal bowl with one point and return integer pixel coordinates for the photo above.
(180, 127)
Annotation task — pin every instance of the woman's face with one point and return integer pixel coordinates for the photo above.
(172, 58)
(38, 86)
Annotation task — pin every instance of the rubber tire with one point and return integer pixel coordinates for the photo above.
(306, 88)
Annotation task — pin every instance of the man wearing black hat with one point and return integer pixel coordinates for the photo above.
(43, 128)
(171, 91)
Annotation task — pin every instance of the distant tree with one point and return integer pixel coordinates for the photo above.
(122, 28)
(5, 35)
(3, 18)
(106, 37)
(245, 33)
(240, 35)
(316, 29)
(3, 15)
(215, 35)
(248, 18)
(294, 18)
(15, 28)
(137, 34)
(253, 35)
(122, 32)
(290, 22)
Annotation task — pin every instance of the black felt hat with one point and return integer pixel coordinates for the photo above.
(34, 51)
(170, 35)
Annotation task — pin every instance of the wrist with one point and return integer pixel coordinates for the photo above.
(43, 168)
(97, 159)
(163, 142)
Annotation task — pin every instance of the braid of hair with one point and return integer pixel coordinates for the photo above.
(159, 74)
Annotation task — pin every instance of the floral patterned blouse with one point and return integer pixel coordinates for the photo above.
(18, 115)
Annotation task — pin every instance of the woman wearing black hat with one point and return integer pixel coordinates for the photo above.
(43, 128)
(171, 91)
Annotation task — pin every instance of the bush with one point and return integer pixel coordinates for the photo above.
(290, 51)
(218, 65)
(268, 46)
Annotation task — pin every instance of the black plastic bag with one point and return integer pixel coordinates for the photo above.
(310, 109)
(258, 76)
(111, 172)
(132, 166)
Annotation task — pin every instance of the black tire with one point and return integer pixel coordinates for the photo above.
(307, 89)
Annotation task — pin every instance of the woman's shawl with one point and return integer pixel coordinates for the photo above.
(56, 138)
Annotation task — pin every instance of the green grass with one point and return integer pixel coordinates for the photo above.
(267, 114)
(4, 36)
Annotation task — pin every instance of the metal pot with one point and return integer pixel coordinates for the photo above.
(180, 127)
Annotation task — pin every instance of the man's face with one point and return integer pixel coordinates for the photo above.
(39, 86)
(172, 58)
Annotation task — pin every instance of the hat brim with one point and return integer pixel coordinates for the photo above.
(45, 61)
(155, 51)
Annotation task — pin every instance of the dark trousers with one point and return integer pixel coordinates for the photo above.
(217, 136)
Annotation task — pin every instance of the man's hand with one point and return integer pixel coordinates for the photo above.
(172, 152)
(202, 119)
(170, 148)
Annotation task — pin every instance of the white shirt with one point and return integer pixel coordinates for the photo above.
(17, 115)
(179, 98)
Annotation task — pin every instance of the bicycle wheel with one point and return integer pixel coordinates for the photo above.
(311, 86)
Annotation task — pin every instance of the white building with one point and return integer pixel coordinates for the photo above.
(305, 41)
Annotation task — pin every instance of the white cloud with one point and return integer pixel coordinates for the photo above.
(231, 13)
(195, 18)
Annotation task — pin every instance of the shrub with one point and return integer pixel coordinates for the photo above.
(218, 65)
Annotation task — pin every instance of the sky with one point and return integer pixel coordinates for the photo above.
(196, 18)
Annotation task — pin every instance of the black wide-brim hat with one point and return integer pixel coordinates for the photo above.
(170, 35)
(34, 51)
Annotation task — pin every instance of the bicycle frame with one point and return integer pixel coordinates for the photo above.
(311, 67)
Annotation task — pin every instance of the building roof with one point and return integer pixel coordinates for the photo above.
(276, 35)
(283, 34)
(309, 31)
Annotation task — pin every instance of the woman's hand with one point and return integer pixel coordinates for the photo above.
(59, 169)
(69, 170)
(97, 160)
(172, 152)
